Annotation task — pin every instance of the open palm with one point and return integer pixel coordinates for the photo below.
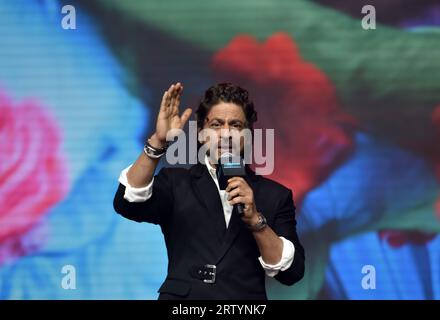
(168, 117)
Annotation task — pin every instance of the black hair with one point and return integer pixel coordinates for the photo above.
(229, 93)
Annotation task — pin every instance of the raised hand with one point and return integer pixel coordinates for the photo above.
(168, 117)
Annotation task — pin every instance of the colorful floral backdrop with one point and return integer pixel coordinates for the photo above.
(356, 115)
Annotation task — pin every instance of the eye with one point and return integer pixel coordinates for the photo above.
(237, 126)
(214, 125)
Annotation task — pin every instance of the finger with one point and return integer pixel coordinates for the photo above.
(173, 96)
(169, 94)
(239, 199)
(163, 102)
(171, 89)
(179, 87)
(175, 106)
(234, 193)
(176, 89)
(185, 116)
(236, 179)
(232, 185)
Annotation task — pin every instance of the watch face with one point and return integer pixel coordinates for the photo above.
(262, 223)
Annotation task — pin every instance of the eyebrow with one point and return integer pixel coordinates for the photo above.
(222, 121)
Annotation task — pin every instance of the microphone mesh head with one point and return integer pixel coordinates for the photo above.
(226, 157)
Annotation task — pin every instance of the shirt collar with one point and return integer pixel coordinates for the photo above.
(211, 169)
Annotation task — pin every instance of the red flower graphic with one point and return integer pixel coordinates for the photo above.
(33, 176)
(397, 238)
(312, 136)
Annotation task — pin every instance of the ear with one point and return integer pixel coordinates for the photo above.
(199, 140)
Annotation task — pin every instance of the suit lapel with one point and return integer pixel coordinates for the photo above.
(236, 225)
(207, 193)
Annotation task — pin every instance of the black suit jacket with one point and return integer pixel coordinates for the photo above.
(187, 206)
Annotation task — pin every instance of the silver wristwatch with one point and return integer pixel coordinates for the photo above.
(260, 225)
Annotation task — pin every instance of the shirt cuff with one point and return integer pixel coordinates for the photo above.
(133, 194)
(285, 262)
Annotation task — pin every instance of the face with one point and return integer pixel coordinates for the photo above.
(224, 124)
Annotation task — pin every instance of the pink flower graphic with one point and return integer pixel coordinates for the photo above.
(33, 175)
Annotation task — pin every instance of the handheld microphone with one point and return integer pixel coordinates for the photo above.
(229, 166)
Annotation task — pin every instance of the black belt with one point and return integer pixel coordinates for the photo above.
(207, 273)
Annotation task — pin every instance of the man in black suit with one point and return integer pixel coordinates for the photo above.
(213, 252)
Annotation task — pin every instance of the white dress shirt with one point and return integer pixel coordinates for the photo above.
(144, 193)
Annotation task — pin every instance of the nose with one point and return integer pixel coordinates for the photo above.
(225, 135)
(225, 130)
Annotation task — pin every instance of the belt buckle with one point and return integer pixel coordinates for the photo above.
(211, 273)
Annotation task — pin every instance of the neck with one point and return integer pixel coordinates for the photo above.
(209, 162)
(213, 164)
